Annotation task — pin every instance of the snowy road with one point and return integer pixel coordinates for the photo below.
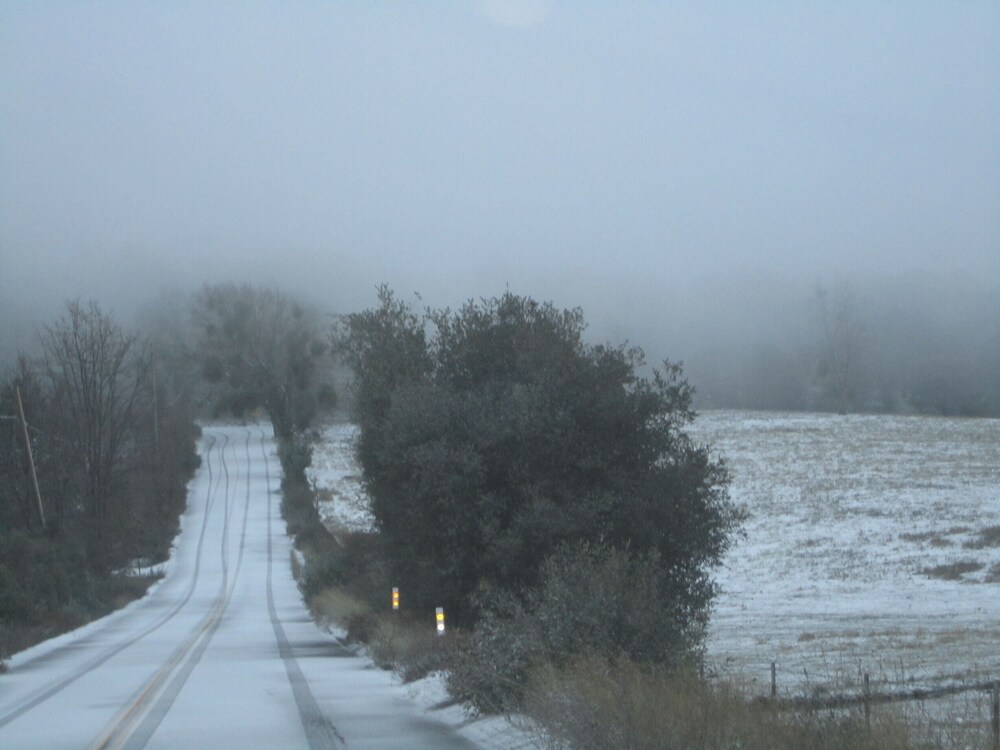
(222, 653)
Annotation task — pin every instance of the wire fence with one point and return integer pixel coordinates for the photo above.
(945, 709)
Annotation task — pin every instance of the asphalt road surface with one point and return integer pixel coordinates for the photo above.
(222, 653)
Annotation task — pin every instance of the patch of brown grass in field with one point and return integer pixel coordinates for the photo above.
(988, 537)
(993, 574)
(952, 571)
(933, 538)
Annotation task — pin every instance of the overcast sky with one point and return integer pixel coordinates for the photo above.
(630, 158)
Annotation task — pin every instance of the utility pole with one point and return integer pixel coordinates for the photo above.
(156, 416)
(31, 460)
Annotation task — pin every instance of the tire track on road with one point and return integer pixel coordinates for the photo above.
(46, 693)
(152, 717)
(136, 723)
(320, 732)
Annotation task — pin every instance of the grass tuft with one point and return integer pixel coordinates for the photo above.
(334, 606)
(592, 704)
(933, 538)
(993, 575)
(952, 571)
(988, 537)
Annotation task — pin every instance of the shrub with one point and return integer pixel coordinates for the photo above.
(488, 667)
(593, 704)
(412, 649)
(360, 626)
(295, 454)
(487, 445)
(592, 600)
(603, 600)
(12, 599)
(320, 572)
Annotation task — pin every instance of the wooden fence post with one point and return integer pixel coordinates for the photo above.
(996, 714)
(868, 710)
(774, 680)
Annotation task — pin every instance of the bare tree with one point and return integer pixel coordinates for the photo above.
(97, 374)
(843, 337)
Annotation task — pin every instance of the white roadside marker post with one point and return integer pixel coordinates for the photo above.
(395, 599)
(439, 616)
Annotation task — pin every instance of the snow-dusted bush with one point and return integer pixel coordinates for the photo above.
(602, 600)
(493, 435)
(593, 599)
(489, 666)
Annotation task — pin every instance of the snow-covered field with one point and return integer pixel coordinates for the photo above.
(337, 478)
(848, 516)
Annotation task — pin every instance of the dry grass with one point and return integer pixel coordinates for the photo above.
(933, 538)
(127, 588)
(953, 571)
(334, 606)
(993, 575)
(593, 704)
(988, 537)
(394, 642)
(413, 650)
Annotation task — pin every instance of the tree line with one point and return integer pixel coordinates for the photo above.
(878, 349)
(111, 448)
(539, 488)
(504, 455)
(93, 480)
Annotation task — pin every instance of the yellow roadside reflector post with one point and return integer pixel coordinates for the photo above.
(439, 616)
(395, 599)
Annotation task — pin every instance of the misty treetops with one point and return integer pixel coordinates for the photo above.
(494, 437)
(502, 453)
(262, 349)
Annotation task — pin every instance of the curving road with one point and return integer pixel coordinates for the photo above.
(222, 653)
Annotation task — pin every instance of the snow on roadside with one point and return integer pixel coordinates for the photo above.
(336, 477)
(187, 519)
(486, 731)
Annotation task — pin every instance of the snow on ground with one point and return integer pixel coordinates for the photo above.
(486, 731)
(848, 514)
(202, 648)
(335, 475)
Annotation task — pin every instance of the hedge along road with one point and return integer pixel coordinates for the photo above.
(222, 653)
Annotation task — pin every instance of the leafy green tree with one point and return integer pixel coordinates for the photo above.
(262, 348)
(387, 349)
(503, 436)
